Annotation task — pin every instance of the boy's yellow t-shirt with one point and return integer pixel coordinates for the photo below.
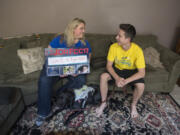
(131, 59)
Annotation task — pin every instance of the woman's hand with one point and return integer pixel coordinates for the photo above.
(74, 75)
(63, 76)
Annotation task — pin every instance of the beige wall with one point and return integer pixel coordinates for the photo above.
(159, 17)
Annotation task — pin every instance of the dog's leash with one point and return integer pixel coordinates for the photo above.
(53, 114)
(74, 115)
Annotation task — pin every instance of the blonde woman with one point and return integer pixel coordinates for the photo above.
(73, 38)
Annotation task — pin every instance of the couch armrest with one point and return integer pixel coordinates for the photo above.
(171, 62)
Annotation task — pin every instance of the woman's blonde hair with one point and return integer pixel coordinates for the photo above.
(69, 31)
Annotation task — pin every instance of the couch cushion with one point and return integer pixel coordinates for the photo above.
(99, 43)
(154, 75)
(98, 62)
(30, 44)
(10, 62)
(7, 95)
(22, 78)
(145, 41)
(99, 47)
(94, 76)
(5, 110)
(36, 40)
(46, 38)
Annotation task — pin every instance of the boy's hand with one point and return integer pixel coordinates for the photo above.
(120, 82)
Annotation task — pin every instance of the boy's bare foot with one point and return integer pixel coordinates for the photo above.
(100, 109)
(134, 113)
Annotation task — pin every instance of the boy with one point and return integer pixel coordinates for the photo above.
(129, 67)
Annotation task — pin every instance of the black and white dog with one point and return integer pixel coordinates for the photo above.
(66, 100)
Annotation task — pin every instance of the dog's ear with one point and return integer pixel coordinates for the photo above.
(90, 99)
(97, 94)
(94, 98)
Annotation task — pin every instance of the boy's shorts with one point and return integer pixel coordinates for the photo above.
(125, 74)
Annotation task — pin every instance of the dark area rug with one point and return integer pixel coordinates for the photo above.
(159, 114)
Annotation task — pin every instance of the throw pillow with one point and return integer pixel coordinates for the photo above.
(32, 59)
(152, 57)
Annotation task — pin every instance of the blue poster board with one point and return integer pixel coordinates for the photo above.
(67, 61)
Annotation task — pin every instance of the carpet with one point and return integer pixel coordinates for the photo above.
(159, 114)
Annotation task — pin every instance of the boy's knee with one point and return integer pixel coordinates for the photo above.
(140, 86)
(105, 76)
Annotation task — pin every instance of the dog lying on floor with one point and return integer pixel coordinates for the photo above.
(65, 99)
(69, 99)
